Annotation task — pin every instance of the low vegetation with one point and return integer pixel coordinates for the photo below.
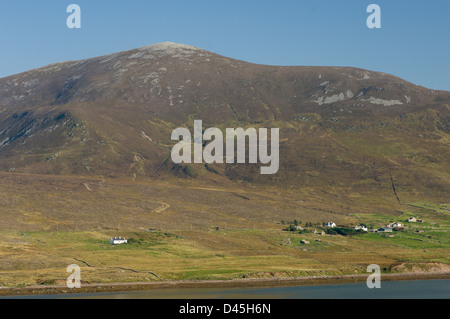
(43, 232)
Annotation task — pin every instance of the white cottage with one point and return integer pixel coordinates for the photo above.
(118, 241)
(330, 225)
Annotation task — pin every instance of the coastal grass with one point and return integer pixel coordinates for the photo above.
(42, 257)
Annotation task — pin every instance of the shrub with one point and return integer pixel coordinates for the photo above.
(189, 171)
(290, 228)
(344, 231)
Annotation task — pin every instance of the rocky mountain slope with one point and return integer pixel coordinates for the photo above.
(113, 116)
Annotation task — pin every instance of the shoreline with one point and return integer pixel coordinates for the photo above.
(32, 291)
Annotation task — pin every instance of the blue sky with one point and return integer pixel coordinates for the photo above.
(413, 42)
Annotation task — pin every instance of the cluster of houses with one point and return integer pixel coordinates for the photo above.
(396, 226)
(332, 225)
(388, 229)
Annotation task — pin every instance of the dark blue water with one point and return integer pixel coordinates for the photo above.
(420, 289)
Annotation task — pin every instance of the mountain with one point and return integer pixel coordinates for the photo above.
(340, 127)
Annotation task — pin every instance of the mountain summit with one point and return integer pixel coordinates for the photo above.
(103, 77)
(113, 116)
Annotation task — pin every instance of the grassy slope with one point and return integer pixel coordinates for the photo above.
(50, 222)
(331, 169)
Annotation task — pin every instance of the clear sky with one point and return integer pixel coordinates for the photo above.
(413, 42)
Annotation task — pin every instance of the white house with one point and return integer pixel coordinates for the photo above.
(361, 227)
(395, 225)
(118, 241)
(330, 225)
